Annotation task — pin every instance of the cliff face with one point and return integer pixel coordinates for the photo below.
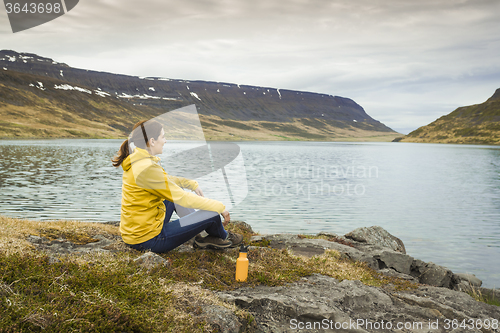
(306, 115)
(475, 124)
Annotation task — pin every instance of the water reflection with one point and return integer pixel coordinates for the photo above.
(443, 201)
(69, 179)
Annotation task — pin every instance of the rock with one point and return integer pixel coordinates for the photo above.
(491, 294)
(321, 300)
(244, 226)
(364, 257)
(470, 279)
(274, 308)
(224, 320)
(185, 248)
(328, 234)
(310, 247)
(462, 286)
(257, 238)
(399, 262)
(376, 235)
(378, 255)
(431, 274)
(35, 239)
(332, 235)
(151, 260)
(393, 273)
(360, 298)
(114, 223)
(63, 246)
(454, 304)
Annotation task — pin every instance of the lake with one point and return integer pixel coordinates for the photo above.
(443, 201)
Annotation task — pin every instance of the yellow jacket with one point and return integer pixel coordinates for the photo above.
(145, 186)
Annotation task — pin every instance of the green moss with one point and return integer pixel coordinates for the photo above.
(65, 296)
(262, 243)
(242, 229)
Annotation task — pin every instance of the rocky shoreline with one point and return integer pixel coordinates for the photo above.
(440, 301)
(323, 301)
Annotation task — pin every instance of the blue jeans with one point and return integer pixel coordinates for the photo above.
(177, 232)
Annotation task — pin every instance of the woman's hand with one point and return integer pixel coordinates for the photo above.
(199, 192)
(227, 218)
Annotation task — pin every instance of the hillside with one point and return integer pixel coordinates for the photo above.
(475, 124)
(40, 97)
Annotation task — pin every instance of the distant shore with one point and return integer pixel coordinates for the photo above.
(375, 138)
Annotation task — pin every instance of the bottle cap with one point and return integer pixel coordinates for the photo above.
(244, 248)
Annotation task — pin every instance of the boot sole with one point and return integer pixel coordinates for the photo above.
(236, 245)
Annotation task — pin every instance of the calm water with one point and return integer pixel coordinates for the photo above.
(443, 201)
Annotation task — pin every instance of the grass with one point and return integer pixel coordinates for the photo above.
(457, 130)
(479, 296)
(106, 292)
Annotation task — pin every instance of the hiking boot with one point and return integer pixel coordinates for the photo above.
(211, 242)
(236, 239)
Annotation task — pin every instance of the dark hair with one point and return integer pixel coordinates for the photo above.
(141, 133)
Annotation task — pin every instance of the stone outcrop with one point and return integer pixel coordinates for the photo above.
(221, 318)
(64, 246)
(150, 260)
(377, 236)
(327, 305)
(436, 306)
(432, 274)
(380, 250)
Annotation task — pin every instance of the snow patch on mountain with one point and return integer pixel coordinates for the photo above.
(68, 87)
(38, 85)
(101, 93)
(195, 95)
(144, 96)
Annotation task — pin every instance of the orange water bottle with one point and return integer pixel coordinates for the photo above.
(242, 264)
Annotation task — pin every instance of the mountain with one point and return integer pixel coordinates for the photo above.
(40, 97)
(474, 124)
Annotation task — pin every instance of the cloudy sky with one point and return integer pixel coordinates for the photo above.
(407, 62)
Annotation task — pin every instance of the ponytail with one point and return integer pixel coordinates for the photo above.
(121, 154)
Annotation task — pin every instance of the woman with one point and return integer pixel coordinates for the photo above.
(150, 196)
